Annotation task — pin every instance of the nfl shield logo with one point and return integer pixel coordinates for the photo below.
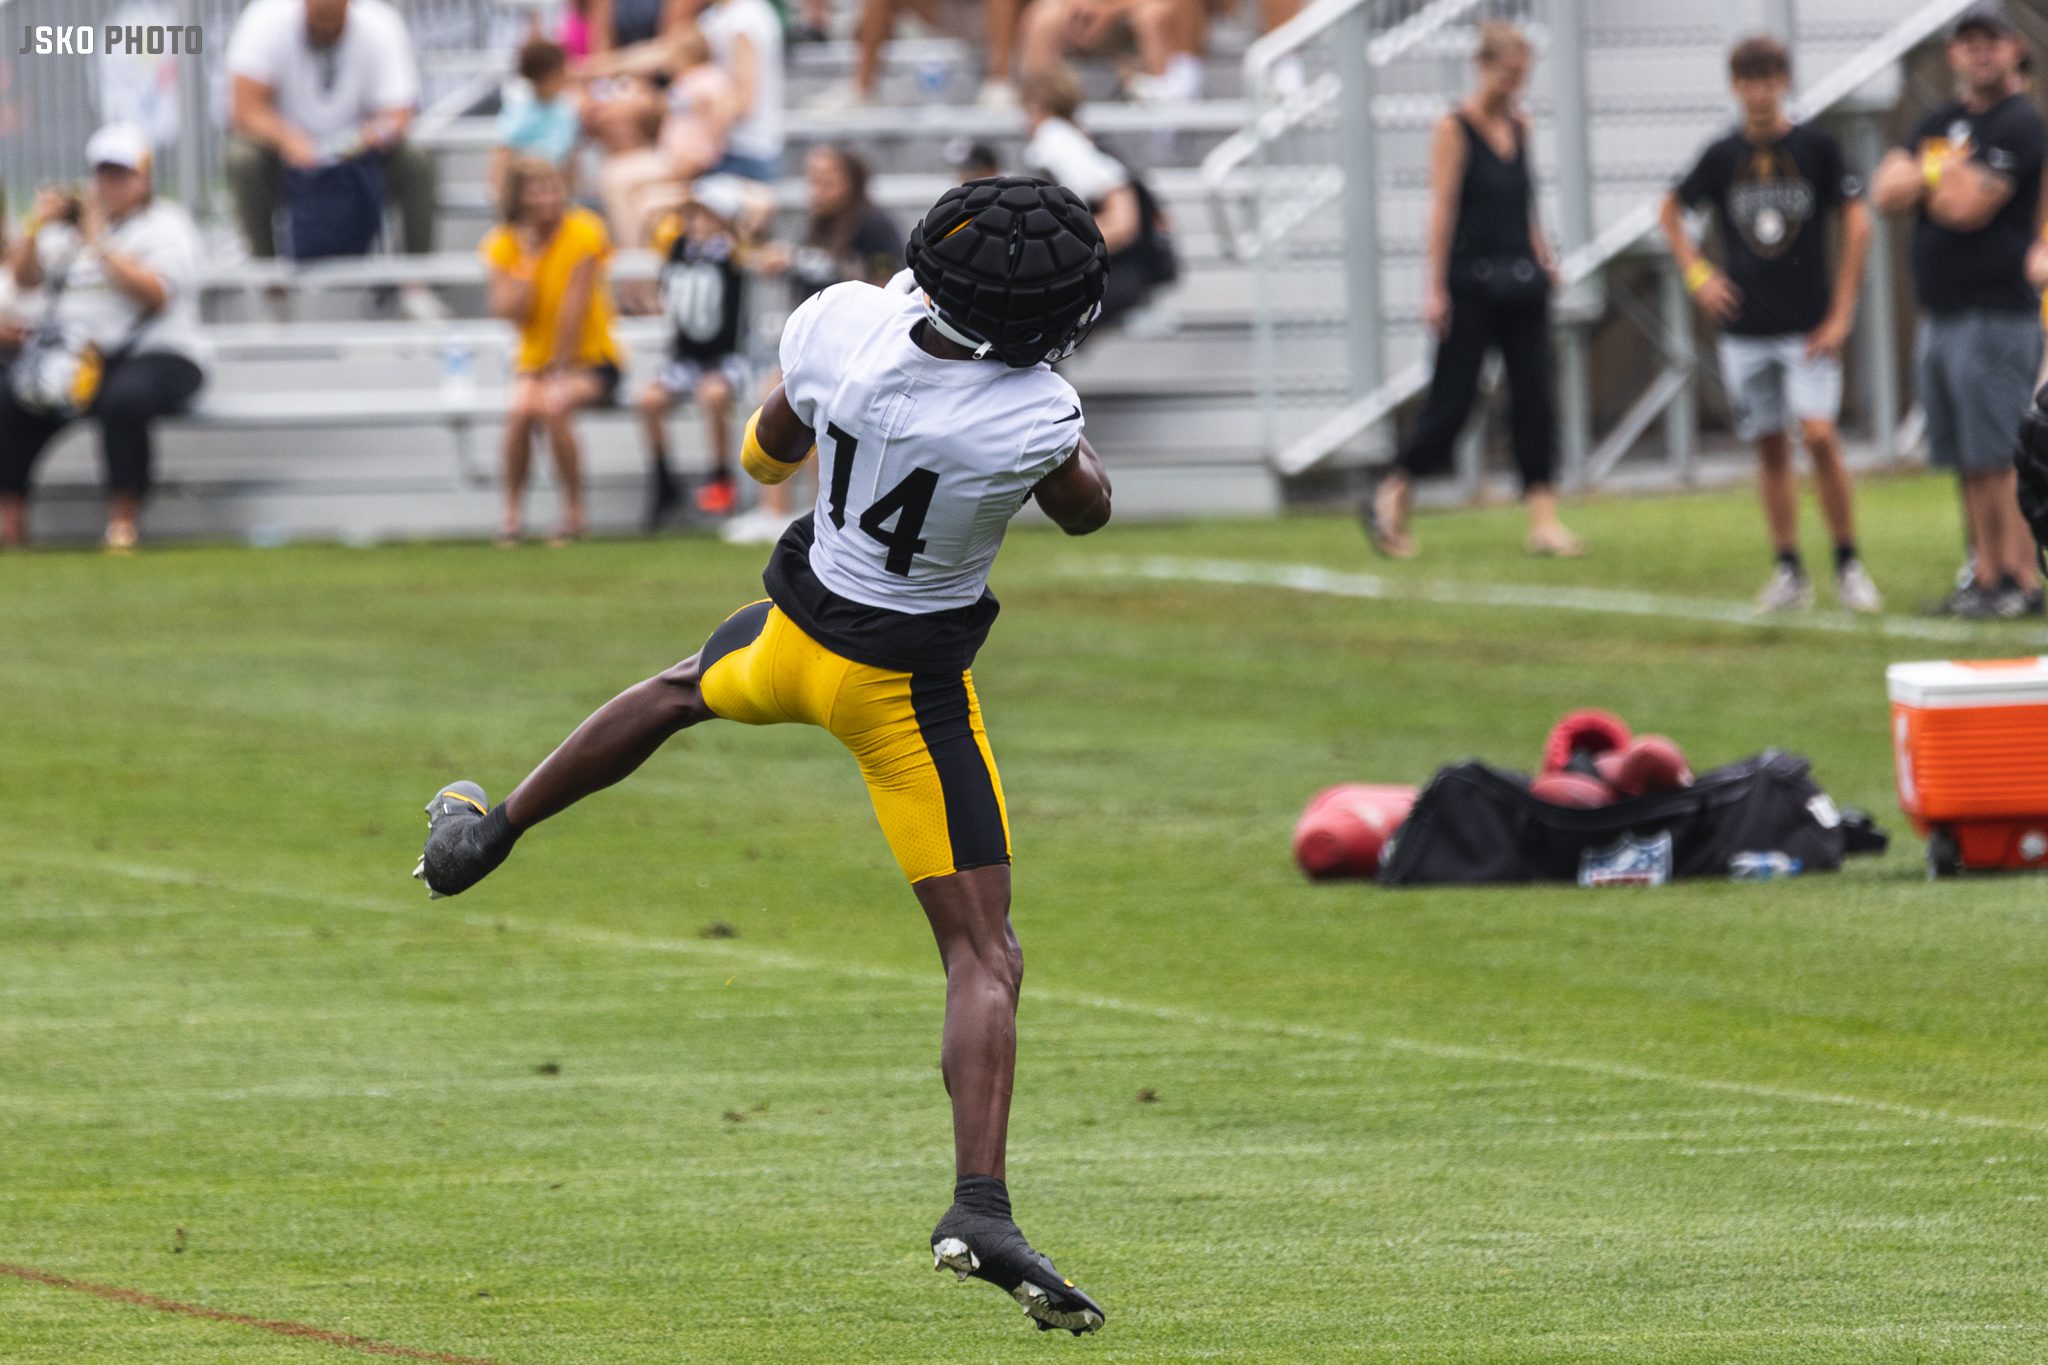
(1629, 862)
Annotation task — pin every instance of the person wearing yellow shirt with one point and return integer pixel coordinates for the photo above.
(547, 278)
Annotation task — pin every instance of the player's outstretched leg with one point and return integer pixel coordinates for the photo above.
(978, 1238)
(970, 916)
(467, 837)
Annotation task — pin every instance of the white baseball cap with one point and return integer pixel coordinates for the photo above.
(723, 195)
(119, 144)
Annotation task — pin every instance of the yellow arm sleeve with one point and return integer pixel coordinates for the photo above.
(762, 467)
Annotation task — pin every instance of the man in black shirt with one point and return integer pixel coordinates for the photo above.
(1773, 185)
(1970, 172)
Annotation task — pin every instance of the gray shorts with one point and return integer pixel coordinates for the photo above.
(1976, 373)
(1772, 384)
(681, 377)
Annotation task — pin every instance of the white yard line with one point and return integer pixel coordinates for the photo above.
(779, 959)
(1314, 579)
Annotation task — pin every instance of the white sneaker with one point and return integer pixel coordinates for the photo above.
(417, 303)
(997, 95)
(756, 527)
(1180, 83)
(1787, 591)
(1855, 591)
(843, 98)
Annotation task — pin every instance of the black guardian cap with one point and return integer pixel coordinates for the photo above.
(1011, 266)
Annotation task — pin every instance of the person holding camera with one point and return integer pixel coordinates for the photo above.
(117, 338)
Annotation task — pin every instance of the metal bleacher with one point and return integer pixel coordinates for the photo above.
(342, 423)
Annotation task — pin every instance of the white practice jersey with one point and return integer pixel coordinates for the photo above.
(922, 462)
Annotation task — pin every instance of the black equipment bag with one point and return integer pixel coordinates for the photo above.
(1474, 824)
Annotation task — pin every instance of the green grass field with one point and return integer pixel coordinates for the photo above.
(666, 1088)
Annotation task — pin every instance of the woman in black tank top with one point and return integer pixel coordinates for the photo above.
(1488, 288)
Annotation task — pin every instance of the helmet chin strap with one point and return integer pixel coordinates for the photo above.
(953, 334)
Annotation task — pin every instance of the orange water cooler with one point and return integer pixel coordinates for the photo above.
(1970, 740)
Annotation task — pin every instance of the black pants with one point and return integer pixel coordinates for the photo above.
(134, 392)
(1521, 332)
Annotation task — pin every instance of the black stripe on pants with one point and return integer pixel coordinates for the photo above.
(1521, 333)
(974, 822)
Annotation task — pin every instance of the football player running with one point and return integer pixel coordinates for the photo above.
(935, 415)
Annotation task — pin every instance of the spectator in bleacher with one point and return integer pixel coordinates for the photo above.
(993, 24)
(118, 336)
(1170, 38)
(641, 181)
(538, 116)
(973, 160)
(573, 32)
(314, 83)
(1784, 312)
(622, 23)
(547, 265)
(746, 39)
(846, 237)
(1490, 276)
(1133, 229)
(813, 22)
(14, 305)
(704, 302)
(1971, 173)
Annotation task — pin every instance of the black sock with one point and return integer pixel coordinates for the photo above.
(2007, 583)
(1845, 555)
(495, 832)
(1789, 559)
(983, 1194)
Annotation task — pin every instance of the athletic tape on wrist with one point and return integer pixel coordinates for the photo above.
(762, 467)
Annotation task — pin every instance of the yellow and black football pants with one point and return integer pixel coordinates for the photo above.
(918, 736)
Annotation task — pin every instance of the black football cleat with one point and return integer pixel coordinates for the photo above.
(465, 840)
(986, 1247)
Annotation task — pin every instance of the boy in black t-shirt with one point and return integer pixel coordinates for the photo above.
(704, 300)
(1784, 315)
(1970, 172)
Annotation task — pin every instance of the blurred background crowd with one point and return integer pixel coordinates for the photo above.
(561, 208)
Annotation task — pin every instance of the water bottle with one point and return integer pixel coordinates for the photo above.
(458, 373)
(934, 75)
(1762, 867)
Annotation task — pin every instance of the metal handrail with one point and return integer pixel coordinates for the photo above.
(1369, 410)
(1314, 100)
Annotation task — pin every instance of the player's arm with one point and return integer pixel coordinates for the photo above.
(777, 442)
(1076, 495)
(1965, 194)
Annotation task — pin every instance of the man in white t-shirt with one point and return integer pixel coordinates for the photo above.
(746, 39)
(318, 81)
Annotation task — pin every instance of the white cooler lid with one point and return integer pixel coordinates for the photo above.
(1957, 682)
